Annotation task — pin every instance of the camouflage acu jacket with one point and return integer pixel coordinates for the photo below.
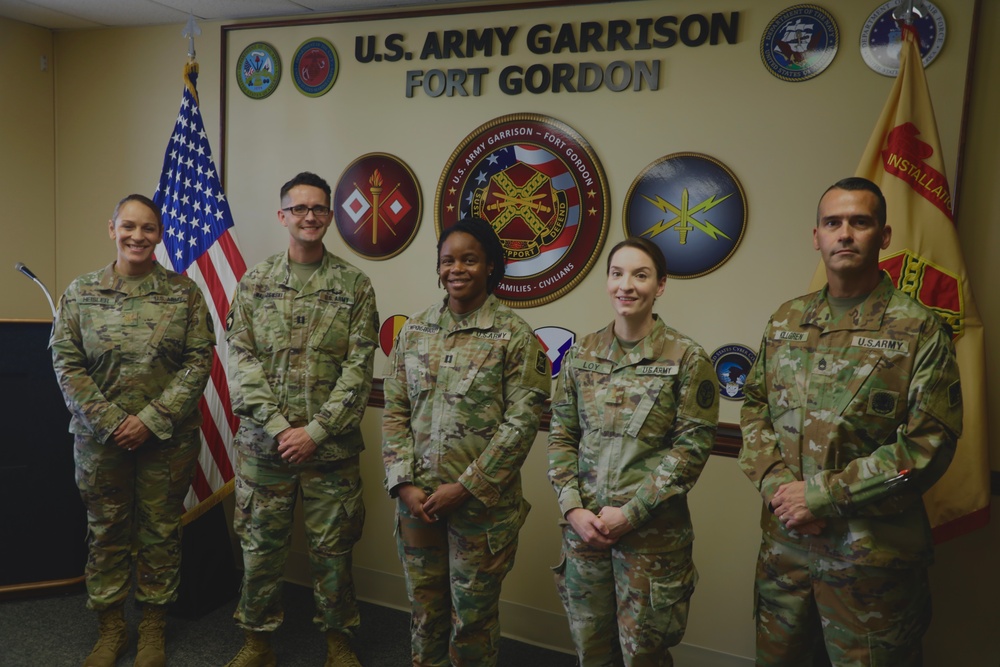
(147, 352)
(634, 430)
(847, 405)
(462, 403)
(301, 355)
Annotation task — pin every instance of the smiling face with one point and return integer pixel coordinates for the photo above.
(849, 237)
(632, 284)
(464, 270)
(136, 231)
(306, 231)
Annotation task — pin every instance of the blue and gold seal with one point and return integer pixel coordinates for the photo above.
(799, 43)
(258, 70)
(691, 206)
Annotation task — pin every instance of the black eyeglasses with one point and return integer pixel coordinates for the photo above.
(300, 210)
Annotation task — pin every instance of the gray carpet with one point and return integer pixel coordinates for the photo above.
(58, 631)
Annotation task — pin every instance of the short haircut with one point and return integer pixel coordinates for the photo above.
(483, 232)
(142, 199)
(306, 178)
(647, 247)
(853, 184)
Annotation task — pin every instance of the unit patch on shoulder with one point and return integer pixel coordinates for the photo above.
(230, 318)
(540, 366)
(955, 394)
(706, 394)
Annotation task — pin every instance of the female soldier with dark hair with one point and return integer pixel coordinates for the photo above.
(132, 350)
(462, 406)
(633, 422)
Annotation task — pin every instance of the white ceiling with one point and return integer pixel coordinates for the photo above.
(81, 14)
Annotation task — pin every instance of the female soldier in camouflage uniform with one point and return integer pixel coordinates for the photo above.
(132, 349)
(462, 406)
(633, 422)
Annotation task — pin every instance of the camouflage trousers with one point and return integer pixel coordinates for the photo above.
(813, 610)
(623, 607)
(134, 502)
(334, 515)
(454, 569)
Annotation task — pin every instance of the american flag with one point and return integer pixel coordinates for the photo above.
(198, 242)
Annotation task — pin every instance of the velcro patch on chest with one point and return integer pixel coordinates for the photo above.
(883, 402)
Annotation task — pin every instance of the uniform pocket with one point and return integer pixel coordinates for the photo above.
(332, 331)
(504, 531)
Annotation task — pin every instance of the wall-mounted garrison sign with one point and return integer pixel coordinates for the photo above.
(542, 188)
(258, 70)
(692, 207)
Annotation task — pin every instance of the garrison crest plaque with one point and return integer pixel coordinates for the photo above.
(542, 189)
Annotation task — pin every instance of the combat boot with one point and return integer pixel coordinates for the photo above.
(151, 640)
(339, 652)
(256, 651)
(112, 638)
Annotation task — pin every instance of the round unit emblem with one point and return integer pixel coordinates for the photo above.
(692, 207)
(799, 43)
(542, 188)
(258, 70)
(315, 67)
(881, 36)
(732, 366)
(376, 206)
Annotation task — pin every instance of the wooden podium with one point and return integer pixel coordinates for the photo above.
(44, 528)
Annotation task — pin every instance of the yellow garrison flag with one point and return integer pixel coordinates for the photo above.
(925, 260)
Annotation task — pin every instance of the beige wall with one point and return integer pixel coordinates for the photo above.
(27, 187)
(111, 126)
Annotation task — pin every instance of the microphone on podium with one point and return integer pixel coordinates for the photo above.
(21, 268)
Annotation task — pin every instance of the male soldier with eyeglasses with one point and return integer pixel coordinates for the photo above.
(302, 335)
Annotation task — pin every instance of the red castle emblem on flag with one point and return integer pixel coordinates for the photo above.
(931, 285)
(904, 157)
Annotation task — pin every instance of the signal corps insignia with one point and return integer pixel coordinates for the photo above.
(692, 207)
(258, 70)
(315, 67)
(542, 189)
(376, 206)
(931, 285)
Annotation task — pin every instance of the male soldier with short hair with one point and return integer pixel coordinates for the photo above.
(302, 335)
(853, 410)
